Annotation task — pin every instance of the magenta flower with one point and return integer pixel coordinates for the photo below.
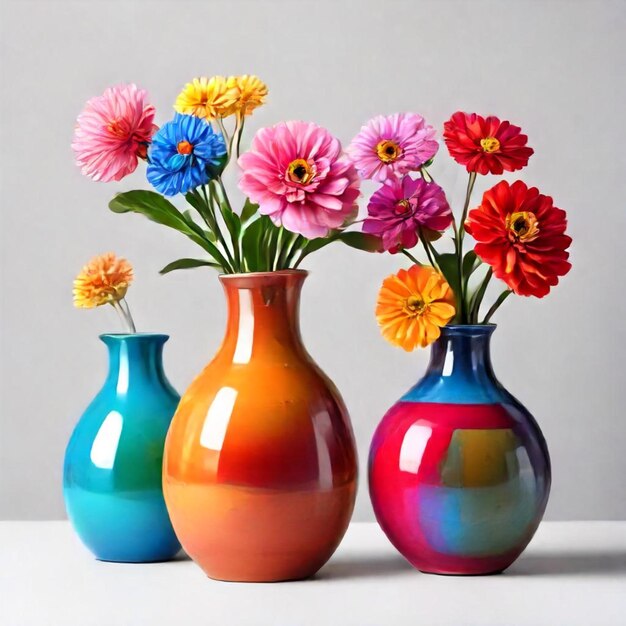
(113, 132)
(388, 147)
(298, 175)
(400, 208)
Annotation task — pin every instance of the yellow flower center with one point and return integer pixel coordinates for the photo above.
(403, 207)
(184, 147)
(388, 151)
(414, 305)
(299, 171)
(490, 144)
(522, 226)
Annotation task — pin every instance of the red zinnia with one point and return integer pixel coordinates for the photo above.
(485, 145)
(521, 234)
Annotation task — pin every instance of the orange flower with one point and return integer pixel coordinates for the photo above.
(104, 280)
(412, 306)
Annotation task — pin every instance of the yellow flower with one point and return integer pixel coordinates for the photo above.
(104, 280)
(207, 98)
(412, 306)
(251, 92)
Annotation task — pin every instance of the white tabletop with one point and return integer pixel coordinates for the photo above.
(572, 573)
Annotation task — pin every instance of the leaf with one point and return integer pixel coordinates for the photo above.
(251, 243)
(448, 265)
(185, 264)
(160, 210)
(249, 210)
(360, 241)
(470, 263)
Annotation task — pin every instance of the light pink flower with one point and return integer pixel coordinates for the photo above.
(298, 175)
(389, 147)
(401, 208)
(113, 132)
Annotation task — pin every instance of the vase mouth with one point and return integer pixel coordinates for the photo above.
(290, 272)
(468, 329)
(133, 337)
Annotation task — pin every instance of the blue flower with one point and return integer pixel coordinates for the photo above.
(180, 152)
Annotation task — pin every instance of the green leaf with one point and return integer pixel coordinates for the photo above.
(449, 267)
(248, 211)
(470, 263)
(160, 210)
(251, 244)
(186, 264)
(360, 241)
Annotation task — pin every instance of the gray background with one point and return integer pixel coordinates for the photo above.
(555, 68)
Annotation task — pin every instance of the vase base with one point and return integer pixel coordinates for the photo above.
(447, 573)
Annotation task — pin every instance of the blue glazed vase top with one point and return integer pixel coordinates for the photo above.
(113, 461)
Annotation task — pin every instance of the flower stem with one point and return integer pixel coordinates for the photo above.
(460, 233)
(476, 300)
(496, 305)
(124, 312)
(218, 231)
(229, 217)
(410, 256)
(243, 120)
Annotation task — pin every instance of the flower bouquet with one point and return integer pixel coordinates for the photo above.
(248, 496)
(459, 472)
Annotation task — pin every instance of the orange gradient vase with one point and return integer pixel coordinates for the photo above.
(260, 468)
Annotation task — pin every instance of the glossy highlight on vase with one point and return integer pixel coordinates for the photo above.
(459, 470)
(260, 463)
(113, 462)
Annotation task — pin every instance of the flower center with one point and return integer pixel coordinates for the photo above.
(415, 305)
(490, 144)
(117, 128)
(522, 226)
(299, 171)
(388, 151)
(184, 147)
(403, 207)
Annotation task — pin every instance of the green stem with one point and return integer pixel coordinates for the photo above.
(460, 233)
(279, 238)
(225, 206)
(496, 305)
(243, 120)
(410, 256)
(474, 305)
(296, 246)
(218, 231)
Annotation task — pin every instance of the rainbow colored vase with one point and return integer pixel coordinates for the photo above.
(459, 472)
(113, 461)
(260, 464)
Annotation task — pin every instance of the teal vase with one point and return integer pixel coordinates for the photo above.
(112, 470)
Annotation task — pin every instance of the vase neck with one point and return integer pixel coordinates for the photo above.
(462, 351)
(460, 368)
(263, 314)
(135, 358)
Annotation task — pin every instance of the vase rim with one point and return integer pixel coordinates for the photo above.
(479, 329)
(137, 336)
(292, 272)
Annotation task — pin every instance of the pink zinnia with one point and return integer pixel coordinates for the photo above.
(388, 147)
(400, 208)
(298, 175)
(113, 132)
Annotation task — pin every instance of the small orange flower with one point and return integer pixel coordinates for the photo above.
(104, 280)
(413, 305)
